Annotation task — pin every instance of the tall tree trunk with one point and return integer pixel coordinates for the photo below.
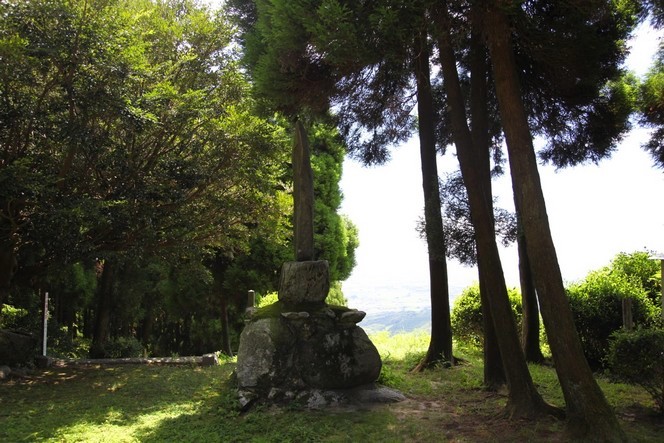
(148, 321)
(88, 321)
(588, 413)
(218, 266)
(530, 324)
(523, 399)
(103, 311)
(7, 268)
(494, 375)
(440, 346)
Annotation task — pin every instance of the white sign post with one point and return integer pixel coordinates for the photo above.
(45, 322)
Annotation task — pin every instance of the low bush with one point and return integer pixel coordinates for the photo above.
(637, 357)
(596, 304)
(467, 315)
(122, 347)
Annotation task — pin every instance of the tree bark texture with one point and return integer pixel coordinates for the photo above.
(494, 374)
(303, 196)
(530, 324)
(440, 346)
(103, 311)
(523, 399)
(148, 321)
(588, 413)
(7, 268)
(218, 266)
(225, 326)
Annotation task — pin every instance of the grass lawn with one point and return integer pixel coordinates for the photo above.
(196, 404)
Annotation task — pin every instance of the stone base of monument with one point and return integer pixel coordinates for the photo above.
(302, 350)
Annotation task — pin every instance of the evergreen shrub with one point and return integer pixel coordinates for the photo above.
(596, 304)
(123, 347)
(467, 315)
(637, 357)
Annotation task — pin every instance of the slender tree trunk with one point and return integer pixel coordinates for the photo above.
(523, 399)
(7, 268)
(588, 413)
(148, 322)
(440, 346)
(88, 330)
(530, 324)
(103, 311)
(218, 266)
(225, 336)
(494, 375)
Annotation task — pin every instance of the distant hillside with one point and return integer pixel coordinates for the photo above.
(397, 321)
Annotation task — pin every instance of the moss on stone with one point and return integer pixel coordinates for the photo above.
(276, 309)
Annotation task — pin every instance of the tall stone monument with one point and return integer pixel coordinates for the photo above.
(301, 349)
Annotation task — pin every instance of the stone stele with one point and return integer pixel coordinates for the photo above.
(304, 282)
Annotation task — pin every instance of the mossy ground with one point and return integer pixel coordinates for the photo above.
(190, 404)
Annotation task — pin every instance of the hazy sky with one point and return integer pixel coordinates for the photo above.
(595, 211)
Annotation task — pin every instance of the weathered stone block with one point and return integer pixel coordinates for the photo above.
(16, 349)
(304, 282)
(263, 359)
(338, 359)
(209, 360)
(286, 355)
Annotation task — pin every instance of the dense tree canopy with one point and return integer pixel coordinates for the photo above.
(139, 136)
(129, 139)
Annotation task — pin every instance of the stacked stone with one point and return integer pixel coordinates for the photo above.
(301, 349)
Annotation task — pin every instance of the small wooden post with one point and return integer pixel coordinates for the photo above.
(628, 318)
(45, 324)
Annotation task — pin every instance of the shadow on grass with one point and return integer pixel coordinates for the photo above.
(111, 402)
(190, 404)
(158, 404)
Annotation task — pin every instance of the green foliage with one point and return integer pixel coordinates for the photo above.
(467, 315)
(11, 317)
(62, 345)
(267, 299)
(123, 347)
(651, 107)
(335, 236)
(129, 132)
(336, 296)
(643, 270)
(637, 357)
(570, 59)
(134, 128)
(596, 304)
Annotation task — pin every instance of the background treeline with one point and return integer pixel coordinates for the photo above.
(140, 186)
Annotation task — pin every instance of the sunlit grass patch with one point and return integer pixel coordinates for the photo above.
(187, 403)
(400, 346)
